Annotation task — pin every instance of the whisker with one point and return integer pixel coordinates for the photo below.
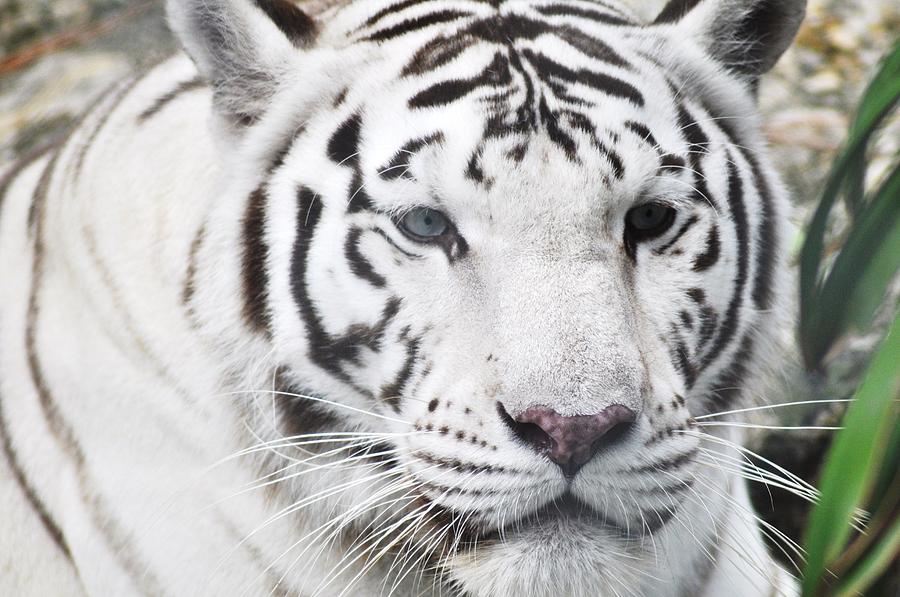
(322, 400)
(772, 427)
(772, 406)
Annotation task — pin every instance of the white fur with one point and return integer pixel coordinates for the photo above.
(161, 398)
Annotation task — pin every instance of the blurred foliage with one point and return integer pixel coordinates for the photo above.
(841, 294)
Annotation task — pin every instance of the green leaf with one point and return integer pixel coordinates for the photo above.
(878, 101)
(854, 461)
(873, 565)
(867, 263)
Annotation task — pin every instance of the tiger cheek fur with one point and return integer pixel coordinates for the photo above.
(454, 280)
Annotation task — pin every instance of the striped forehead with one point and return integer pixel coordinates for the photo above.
(570, 72)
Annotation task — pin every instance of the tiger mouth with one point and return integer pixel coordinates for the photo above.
(566, 511)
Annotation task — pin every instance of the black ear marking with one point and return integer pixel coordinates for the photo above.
(746, 36)
(296, 25)
(243, 49)
(674, 11)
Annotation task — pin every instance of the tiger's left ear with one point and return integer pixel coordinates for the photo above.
(746, 36)
(246, 49)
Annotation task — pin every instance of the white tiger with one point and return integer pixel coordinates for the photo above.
(398, 297)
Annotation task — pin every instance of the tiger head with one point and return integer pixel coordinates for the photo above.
(518, 245)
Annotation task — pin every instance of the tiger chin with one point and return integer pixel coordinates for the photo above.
(398, 297)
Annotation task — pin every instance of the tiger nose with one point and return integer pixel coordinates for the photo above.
(570, 442)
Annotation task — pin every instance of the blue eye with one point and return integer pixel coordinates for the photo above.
(423, 223)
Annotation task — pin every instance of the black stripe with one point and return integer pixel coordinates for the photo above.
(168, 98)
(296, 25)
(391, 393)
(28, 490)
(643, 132)
(416, 24)
(681, 232)
(301, 416)
(309, 211)
(436, 53)
(582, 122)
(562, 138)
(728, 386)
(670, 161)
(343, 147)
(390, 10)
(698, 147)
(673, 462)
(767, 242)
(119, 543)
(326, 351)
(709, 321)
(118, 95)
(591, 46)
(190, 274)
(20, 166)
(359, 265)
(655, 519)
(254, 280)
(383, 234)
(682, 362)
(730, 323)
(710, 256)
(566, 10)
(675, 10)
(496, 74)
(550, 69)
(398, 166)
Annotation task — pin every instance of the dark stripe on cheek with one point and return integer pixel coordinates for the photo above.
(683, 362)
(767, 240)
(710, 256)
(254, 279)
(731, 321)
(301, 416)
(681, 232)
(727, 388)
(309, 211)
(359, 265)
(391, 393)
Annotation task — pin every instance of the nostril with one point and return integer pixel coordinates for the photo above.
(570, 441)
(528, 433)
(617, 433)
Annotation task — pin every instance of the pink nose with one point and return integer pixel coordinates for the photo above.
(570, 442)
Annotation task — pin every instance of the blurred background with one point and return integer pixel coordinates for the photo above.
(57, 56)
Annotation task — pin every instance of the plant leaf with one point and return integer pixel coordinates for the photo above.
(867, 263)
(878, 101)
(854, 460)
(874, 564)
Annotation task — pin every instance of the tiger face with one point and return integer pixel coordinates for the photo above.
(520, 243)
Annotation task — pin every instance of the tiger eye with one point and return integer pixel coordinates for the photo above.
(650, 219)
(423, 223)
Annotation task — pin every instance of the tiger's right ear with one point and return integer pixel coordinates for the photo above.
(244, 48)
